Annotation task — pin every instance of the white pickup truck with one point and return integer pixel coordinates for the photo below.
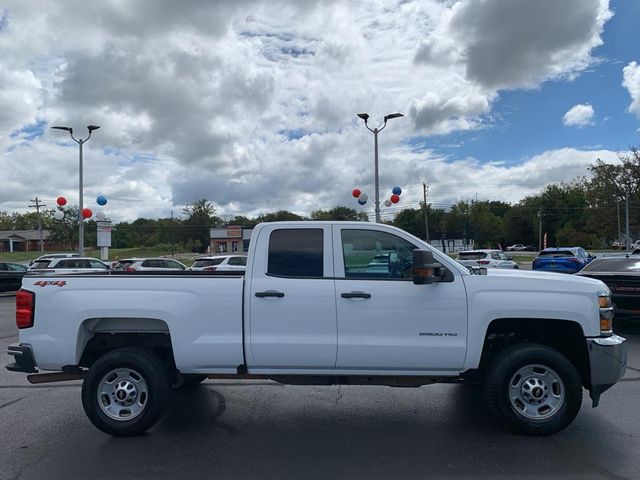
(317, 306)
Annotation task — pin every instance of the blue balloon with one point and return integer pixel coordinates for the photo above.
(101, 200)
(362, 202)
(397, 191)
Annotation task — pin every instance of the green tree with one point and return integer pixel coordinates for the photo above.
(279, 216)
(340, 213)
(200, 218)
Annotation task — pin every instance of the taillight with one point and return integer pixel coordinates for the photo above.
(25, 306)
(129, 269)
(574, 260)
(210, 269)
(484, 262)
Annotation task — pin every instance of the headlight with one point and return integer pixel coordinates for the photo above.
(606, 313)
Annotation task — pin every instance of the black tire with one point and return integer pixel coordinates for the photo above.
(524, 371)
(186, 381)
(142, 373)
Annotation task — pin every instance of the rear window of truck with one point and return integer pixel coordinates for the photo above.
(208, 262)
(471, 255)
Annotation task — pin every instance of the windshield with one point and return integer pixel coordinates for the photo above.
(557, 254)
(612, 265)
(40, 264)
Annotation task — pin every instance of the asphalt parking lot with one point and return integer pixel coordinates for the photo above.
(260, 429)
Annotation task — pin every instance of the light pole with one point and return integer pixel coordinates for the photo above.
(365, 117)
(80, 142)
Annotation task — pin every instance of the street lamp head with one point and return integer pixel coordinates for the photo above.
(364, 116)
(392, 115)
(92, 127)
(66, 129)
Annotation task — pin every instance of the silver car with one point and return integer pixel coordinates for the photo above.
(220, 263)
(69, 265)
(149, 265)
(486, 259)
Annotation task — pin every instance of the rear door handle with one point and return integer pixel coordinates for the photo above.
(270, 293)
(355, 295)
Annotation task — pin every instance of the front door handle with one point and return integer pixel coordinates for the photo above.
(270, 293)
(355, 295)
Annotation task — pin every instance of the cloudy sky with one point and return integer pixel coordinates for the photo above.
(253, 104)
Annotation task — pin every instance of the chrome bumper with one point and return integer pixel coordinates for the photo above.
(608, 362)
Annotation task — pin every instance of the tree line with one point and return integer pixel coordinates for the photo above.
(587, 211)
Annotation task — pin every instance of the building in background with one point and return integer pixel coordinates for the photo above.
(230, 239)
(25, 241)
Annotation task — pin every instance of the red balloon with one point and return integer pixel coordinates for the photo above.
(356, 192)
(395, 198)
(61, 201)
(87, 213)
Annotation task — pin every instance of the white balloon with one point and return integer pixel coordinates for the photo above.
(58, 214)
(387, 203)
(363, 197)
(100, 216)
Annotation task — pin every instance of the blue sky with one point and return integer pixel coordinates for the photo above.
(528, 122)
(252, 105)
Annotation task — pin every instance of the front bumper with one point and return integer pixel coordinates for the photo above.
(608, 360)
(23, 355)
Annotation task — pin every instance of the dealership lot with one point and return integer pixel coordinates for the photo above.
(260, 429)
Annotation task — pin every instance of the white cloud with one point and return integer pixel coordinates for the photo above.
(579, 115)
(251, 103)
(631, 81)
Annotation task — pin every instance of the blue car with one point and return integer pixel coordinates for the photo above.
(562, 259)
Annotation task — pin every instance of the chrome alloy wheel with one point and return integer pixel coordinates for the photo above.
(536, 392)
(123, 394)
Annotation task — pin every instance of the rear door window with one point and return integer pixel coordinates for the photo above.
(296, 253)
(172, 264)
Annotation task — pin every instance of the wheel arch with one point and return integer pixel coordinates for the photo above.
(97, 336)
(565, 336)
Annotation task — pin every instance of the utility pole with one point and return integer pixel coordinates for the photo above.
(540, 230)
(171, 233)
(618, 217)
(626, 219)
(425, 187)
(37, 206)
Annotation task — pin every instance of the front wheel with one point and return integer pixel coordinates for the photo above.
(533, 388)
(126, 391)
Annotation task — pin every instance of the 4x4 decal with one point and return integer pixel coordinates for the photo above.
(44, 283)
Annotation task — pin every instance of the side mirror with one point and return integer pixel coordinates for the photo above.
(424, 267)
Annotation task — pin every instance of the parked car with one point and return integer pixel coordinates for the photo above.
(622, 276)
(149, 264)
(11, 276)
(69, 265)
(486, 258)
(220, 263)
(562, 259)
(49, 256)
(519, 247)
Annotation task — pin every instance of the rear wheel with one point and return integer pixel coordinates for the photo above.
(533, 389)
(126, 391)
